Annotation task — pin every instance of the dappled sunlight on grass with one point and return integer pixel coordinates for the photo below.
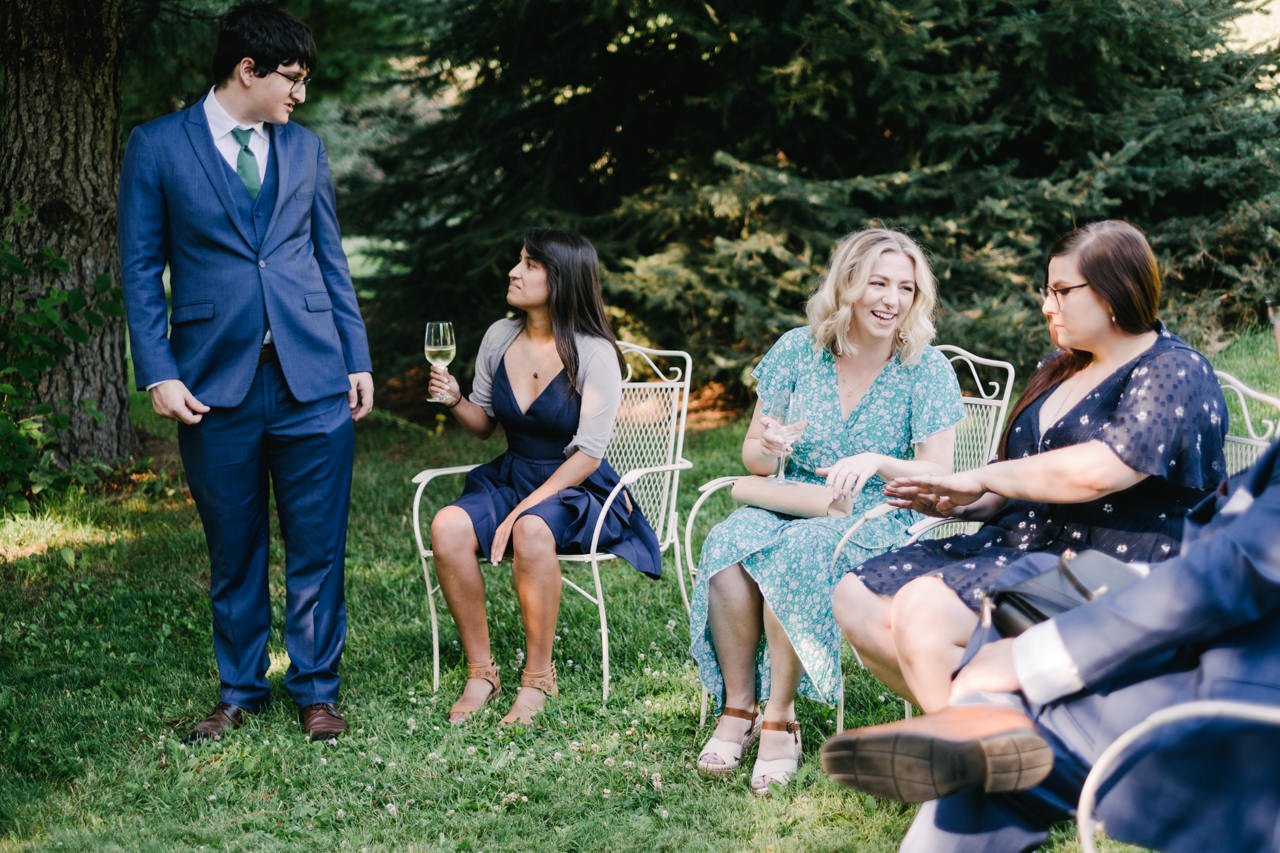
(107, 659)
(27, 536)
(279, 664)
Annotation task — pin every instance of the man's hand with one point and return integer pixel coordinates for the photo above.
(360, 397)
(990, 671)
(171, 399)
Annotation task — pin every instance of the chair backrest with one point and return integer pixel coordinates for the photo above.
(987, 384)
(650, 429)
(1254, 419)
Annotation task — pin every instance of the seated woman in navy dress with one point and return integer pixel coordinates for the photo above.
(552, 377)
(1117, 435)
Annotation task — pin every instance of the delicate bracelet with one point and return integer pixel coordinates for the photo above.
(454, 403)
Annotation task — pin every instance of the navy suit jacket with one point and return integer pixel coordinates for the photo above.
(1204, 625)
(176, 208)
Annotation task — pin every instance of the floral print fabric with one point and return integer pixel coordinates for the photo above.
(1162, 413)
(789, 559)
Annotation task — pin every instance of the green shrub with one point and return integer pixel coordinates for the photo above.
(38, 325)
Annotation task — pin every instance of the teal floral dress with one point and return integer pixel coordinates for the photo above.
(790, 558)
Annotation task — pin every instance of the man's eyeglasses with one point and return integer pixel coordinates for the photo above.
(1058, 291)
(297, 81)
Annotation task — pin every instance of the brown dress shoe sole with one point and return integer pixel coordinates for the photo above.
(914, 767)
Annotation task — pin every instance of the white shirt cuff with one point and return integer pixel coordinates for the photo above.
(1043, 664)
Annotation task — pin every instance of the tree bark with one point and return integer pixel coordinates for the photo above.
(60, 138)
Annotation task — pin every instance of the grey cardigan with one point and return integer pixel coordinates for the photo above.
(599, 379)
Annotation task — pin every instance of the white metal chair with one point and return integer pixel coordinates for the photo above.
(1244, 447)
(647, 451)
(1086, 826)
(987, 384)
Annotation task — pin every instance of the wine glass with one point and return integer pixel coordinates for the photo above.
(439, 348)
(788, 410)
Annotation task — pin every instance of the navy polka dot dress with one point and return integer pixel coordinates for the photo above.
(1162, 413)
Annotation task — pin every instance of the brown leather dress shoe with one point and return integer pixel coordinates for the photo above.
(223, 716)
(322, 721)
(924, 758)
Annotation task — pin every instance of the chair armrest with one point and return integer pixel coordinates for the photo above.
(706, 490)
(422, 478)
(635, 474)
(1210, 709)
(628, 478)
(719, 483)
(873, 513)
(428, 474)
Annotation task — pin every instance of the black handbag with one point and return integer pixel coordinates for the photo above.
(1075, 580)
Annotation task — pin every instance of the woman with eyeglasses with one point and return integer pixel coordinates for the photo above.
(1118, 434)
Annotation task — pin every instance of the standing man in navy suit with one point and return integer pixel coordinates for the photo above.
(1030, 715)
(262, 359)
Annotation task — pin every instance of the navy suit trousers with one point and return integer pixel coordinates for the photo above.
(305, 452)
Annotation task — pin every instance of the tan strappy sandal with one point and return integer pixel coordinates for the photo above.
(776, 771)
(721, 757)
(460, 712)
(523, 713)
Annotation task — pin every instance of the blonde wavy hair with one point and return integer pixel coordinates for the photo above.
(830, 309)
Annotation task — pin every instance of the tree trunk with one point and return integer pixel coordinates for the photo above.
(60, 138)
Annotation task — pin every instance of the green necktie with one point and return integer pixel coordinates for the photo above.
(246, 163)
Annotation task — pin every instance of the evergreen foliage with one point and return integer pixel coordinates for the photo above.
(716, 152)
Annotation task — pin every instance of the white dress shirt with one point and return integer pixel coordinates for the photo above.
(221, 124)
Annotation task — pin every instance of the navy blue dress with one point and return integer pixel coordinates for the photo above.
(536, 440)
(1162, 413)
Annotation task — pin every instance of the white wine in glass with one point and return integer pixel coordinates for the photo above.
(439, 348)
(789, 412)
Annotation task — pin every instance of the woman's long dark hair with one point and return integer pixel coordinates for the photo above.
(575, 303)
(1116, 260)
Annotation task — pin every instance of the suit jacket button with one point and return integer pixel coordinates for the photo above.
(262, 265)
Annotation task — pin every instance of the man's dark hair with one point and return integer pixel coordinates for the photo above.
(265, 33)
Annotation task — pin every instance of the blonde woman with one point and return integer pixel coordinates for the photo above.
(880, 403)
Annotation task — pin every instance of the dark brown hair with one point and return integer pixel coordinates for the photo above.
(1116, 260)
(267, 34)
(573, 279)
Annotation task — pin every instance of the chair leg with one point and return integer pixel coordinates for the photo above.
(684, 591)
(604, 633)
(702, 712)
(435, 626)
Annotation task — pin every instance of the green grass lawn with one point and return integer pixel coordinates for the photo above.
(105, 659)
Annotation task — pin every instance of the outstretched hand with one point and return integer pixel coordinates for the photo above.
(939, 496)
